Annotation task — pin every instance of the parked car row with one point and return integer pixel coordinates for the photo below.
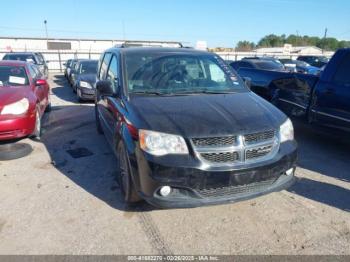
(323, 99)
(314, 67)
(81, 75)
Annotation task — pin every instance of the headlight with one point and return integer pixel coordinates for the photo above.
(17, 108)
(85, 84)
(160, 144)
(286, 131)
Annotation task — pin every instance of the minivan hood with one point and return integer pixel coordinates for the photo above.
(206, 115)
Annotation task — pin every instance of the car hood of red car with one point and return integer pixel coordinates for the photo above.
(9, 95)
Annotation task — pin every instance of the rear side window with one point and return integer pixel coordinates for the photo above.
(76, 67)
(40, 59)
(32, 72)
(342, 76)
(104, 66)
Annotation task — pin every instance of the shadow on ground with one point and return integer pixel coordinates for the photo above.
(327, 154)
(64, 91)
(83, 156)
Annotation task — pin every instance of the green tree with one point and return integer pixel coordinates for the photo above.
(245, 46)
(344, 44)
(272, 40)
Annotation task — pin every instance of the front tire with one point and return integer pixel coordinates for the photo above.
(37, 129)
(127, 189)
(79, 95)
(98, 122)
(49, 106)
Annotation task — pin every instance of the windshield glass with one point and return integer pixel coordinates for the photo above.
(301, 63)
(169, 73)
(13, 76)
(88, 68)
(21, 57)
(269, 65)
(323, 59)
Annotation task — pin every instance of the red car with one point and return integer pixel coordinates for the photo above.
(24, 97)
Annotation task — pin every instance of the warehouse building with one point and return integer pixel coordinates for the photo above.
(290, 50)
(57, 51)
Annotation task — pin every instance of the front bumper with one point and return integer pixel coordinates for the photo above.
(87, 93)
(16, 127)
(192, 187)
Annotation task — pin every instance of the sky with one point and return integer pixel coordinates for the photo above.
(219, 22)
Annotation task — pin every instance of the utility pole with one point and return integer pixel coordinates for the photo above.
(324, 39)
(47, 36)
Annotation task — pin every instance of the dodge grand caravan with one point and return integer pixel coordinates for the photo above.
(186, 130)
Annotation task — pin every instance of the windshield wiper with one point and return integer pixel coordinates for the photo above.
(147, 93)
(203, 92)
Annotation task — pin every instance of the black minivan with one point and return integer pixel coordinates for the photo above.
(187, 131)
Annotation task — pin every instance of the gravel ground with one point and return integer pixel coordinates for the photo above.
(52, 203)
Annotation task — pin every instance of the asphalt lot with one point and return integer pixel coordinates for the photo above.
(52, 203)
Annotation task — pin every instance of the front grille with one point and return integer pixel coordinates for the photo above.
(258, 152)
(214, 141)
(236, 190)
(227, 157)
(259, 137)
(236, 149)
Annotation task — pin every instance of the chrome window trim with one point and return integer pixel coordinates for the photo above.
(293, 103)
(329, 115)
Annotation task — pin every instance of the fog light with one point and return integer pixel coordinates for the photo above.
(165, 191)
(289, 172)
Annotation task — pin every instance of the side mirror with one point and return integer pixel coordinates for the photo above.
(104, 87)
(41, 82)
(47, 61)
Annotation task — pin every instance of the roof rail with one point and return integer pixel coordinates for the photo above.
(127, 44)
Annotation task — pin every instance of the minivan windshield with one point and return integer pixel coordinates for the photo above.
(13, 76)
(176, 73)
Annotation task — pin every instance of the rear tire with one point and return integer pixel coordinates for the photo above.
(127, 188)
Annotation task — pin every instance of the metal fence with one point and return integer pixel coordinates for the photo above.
(57, 59)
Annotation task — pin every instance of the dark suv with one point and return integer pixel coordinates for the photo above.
(187, 131)
(316, 61)
(32, 57)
